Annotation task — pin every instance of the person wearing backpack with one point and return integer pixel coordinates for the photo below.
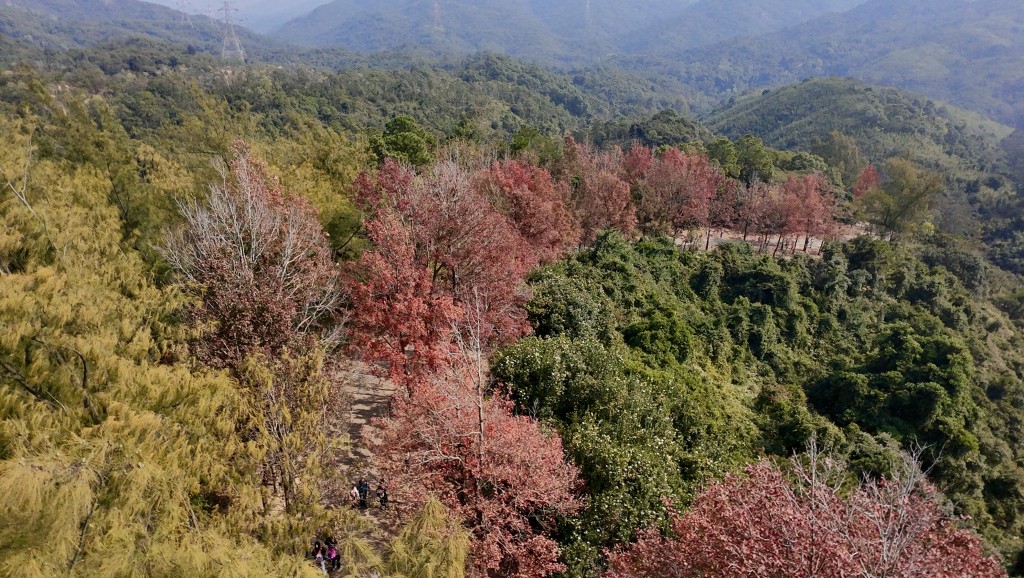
(364, 490)
(333, 558)
(318, 555)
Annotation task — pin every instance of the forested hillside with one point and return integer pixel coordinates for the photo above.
(563, 32)
(966, 52)
(711, 22)
(507, 27)
(61, 24)
(884, 122)
(961, 51)
(401, 315)
(259, 15)
(716, 358)
(843, 120)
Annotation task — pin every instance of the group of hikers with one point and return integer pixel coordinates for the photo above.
(326, 555)
(360, 494)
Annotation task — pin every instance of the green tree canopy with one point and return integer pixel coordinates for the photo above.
(903, 200)
(404, 141)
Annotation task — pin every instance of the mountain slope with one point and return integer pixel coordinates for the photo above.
(577, 32)
(602, 27)
(885, 122)
(967, 52)
(711, 21)
(96, 10)
(259, 15)
(64, 24)
(367, 25)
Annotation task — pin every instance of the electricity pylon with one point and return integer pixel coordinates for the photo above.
(185, 9)
(437, 16)
(232, 47)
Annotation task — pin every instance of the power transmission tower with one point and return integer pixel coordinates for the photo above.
(232, 48)
(586, 17)
(185, 9)
(437, 16)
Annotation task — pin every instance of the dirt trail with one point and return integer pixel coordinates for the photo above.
(721, 236)
(366, 397)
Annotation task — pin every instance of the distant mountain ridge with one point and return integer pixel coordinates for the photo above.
(712, 21)
(509, 27)
(259, 15)
(65, 24)
(966, 52)
(95, 10)
(576, 32)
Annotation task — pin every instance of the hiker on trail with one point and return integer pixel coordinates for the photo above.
(364, 491)
(318, 554)
(333, 559)
(354, 495)
(382, 495)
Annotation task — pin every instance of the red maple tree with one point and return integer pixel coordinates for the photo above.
(808, 206)
(760, 524)
(677, 192)
(637, 163)
(398, 319)
(531, 200)
(440, 288)
(867, 179)
(438, 244)
(502, 475)
(599, 198)
(724, 210)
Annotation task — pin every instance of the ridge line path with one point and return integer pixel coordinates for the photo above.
(364, 397)
(369, 397)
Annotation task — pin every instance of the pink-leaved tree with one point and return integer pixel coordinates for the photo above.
(763, 524)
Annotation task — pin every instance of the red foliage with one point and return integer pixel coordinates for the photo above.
(438, 245)
(808, 208)
(867, 179)
(599, 198)
(263, 264)
(764, 212)
(529, 198)
(444, 276)
(398, 317)
(506, 481)
(723, 213)
(761, 525)
(637, 163)
(676, 191)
